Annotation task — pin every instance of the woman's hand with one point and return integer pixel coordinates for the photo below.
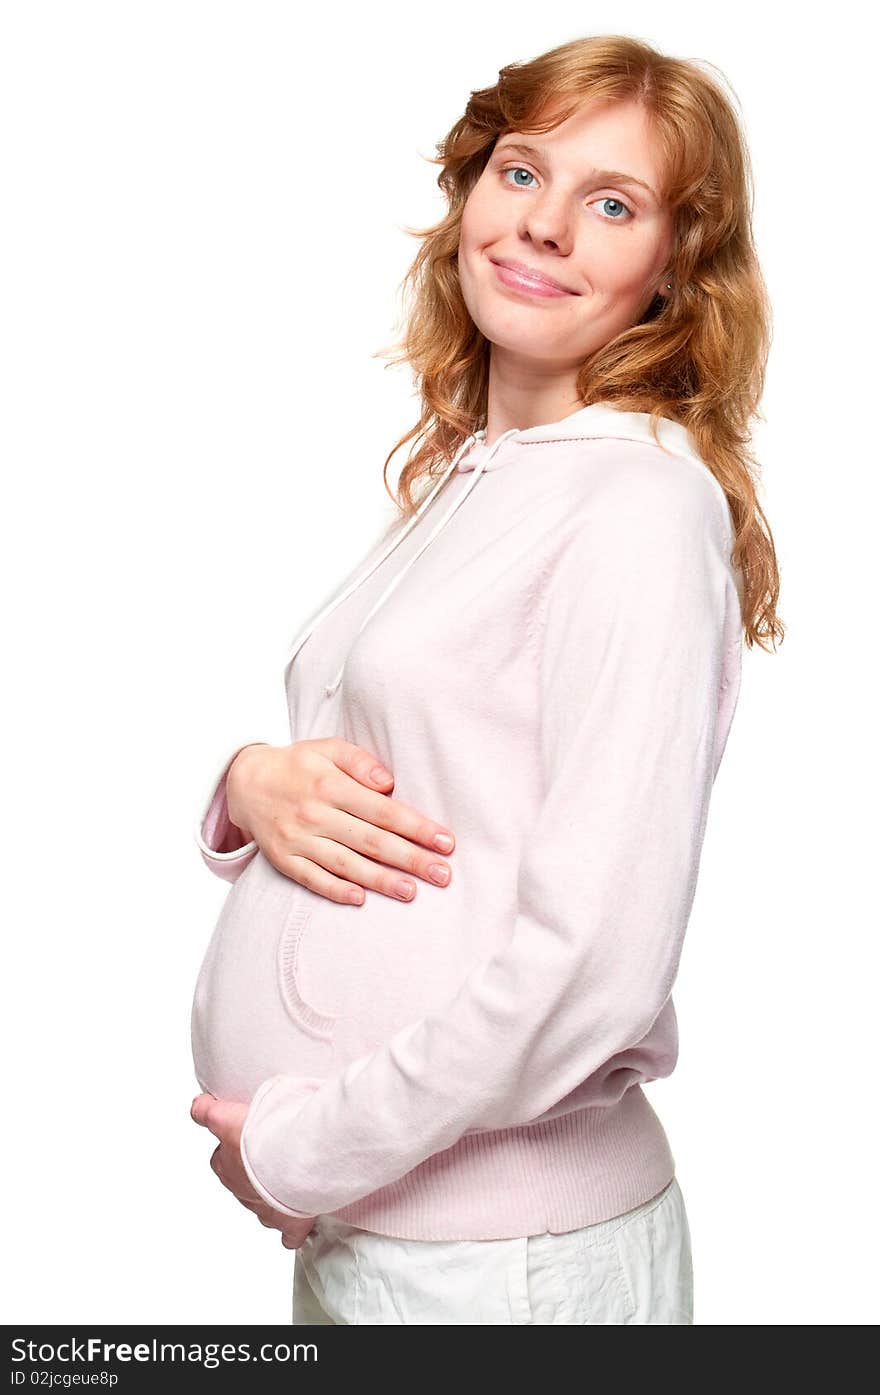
(321, 813)
(225, 1119)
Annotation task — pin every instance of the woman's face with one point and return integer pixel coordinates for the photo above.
(561, 213)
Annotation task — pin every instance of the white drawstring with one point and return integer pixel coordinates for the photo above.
(330, 688)
(360, 579)
(403, 532)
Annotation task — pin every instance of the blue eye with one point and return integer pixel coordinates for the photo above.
(606, 198)
(518, 169)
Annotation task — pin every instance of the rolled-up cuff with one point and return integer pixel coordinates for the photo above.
(219, 840)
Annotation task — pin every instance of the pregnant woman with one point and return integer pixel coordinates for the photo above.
(423, 1060)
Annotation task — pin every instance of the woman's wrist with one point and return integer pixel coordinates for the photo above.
(236, 770)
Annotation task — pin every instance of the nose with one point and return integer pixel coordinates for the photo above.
(548, 222)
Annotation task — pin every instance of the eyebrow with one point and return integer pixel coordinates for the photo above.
(606, 176)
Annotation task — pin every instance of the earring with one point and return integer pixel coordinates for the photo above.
(669, 285)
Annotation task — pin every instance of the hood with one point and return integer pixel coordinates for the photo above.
(599, 419)
(475, 456)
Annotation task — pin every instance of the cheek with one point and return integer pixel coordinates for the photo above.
(618, 263)
(482, 219)
(473, 225)
(467, 258)
(475, 235)
(465, 234)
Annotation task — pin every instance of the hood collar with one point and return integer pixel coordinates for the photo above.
(597, 420)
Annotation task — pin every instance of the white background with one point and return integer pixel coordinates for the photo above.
(203, 238)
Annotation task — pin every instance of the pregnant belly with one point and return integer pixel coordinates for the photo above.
(293, 983)
(249, 1019)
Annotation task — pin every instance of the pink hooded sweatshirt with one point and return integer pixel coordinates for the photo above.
(547, 656)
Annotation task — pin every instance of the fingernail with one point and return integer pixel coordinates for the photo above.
(438, 874)
(380, 775)
(443, 842)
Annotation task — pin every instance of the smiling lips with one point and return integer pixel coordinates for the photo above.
(525, 278)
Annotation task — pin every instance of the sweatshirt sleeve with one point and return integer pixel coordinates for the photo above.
(221, 844)
(636, 617)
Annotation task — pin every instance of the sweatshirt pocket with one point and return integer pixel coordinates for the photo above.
(292, 978)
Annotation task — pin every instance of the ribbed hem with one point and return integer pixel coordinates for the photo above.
(570, 1172)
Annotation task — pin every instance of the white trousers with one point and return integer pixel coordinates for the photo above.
(633, 1268)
